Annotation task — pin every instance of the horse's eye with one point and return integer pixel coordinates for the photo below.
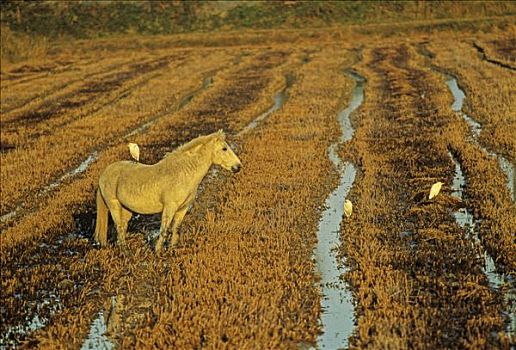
(225, 149)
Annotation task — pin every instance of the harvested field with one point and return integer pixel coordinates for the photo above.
(247, 273)
(427, 263)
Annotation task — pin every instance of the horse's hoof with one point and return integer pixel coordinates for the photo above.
(100, 245)
(158, 247)
(124, 248)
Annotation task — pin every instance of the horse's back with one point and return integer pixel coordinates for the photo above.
(132, 184)
(108, 181)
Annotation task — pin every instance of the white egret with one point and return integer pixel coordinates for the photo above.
(135, 151)
(434, 191)
(348, 208)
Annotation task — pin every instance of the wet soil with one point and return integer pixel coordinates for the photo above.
(404, 153)
(60, 251)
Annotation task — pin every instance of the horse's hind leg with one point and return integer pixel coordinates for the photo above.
(178, 219)
(121, 217)
(166, 219)
(125, 216)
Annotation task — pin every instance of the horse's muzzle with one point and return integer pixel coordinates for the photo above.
(236, 168)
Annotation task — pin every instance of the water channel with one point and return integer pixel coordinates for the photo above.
(337, 318)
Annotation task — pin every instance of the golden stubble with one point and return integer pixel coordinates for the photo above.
(409, 260)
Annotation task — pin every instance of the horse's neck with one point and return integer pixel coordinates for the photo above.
(194, 166)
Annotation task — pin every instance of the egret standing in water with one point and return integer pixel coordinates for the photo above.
(135, 151)
(348, 208)
(434, 191)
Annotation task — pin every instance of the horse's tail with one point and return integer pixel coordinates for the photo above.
(101, 226)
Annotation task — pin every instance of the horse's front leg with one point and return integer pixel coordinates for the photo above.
(166, 219)
(178, 219)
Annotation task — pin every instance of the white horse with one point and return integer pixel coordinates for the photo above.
(167, 187)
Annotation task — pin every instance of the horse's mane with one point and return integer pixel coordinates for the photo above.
(198, 141)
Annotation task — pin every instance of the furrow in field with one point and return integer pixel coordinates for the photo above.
(415, 273)
(476, 128)
(498, 281)
(490, 92)
(16, 72)
(494, 278)
(498, 52)
(16, 100)
(86, 91)
(337, 310)
(90, 99)
(166, 132)
(244, 263)
(80, 138)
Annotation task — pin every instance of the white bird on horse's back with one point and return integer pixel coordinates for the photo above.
(135, 151)
(167, 187)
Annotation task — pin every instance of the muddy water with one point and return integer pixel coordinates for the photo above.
(337, 318)
(498, 282)
(506, 166)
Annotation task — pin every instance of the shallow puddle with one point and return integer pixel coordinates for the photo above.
(506, 166)
(337, 318)
(51, 303)
(97, 338)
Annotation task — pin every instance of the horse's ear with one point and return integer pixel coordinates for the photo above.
(221, 134)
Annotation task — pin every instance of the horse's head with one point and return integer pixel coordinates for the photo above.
(223, 155)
